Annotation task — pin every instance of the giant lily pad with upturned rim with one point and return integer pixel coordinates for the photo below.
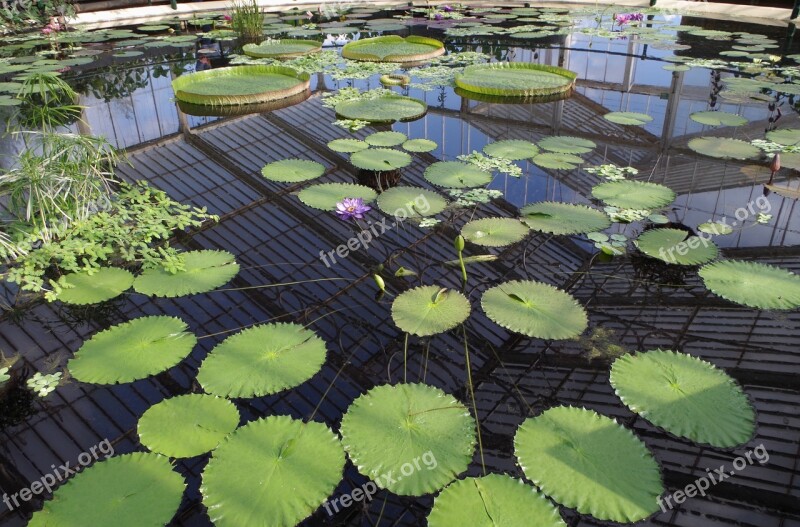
(239, 85)
(455, 174)
(515, 79)
(393, 48)
(282, 49)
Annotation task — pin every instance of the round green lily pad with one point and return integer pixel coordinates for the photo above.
(204, 271)
(132, 350)
(628, 118)
(786, 136)
(588, 462)
(262, 360)
(293, 170)
(534, 309)
(274, 471)
(380, 159)
(563, 218)
(511, 149)
(101, 285)
(403, 202)
(715, 228)
(753, 284)
(494, 232)
(556, 161)
(385, 138)
(347, 146)
(132, 490)
(676, 246)
(515, 79)
(411, 439)
(455, 174)
(240, 85)
(718, 118)
(325, 196)
(187, 425)
(724, 148)
(420, 145)
(686, 396)
(385, 109)
(567, 145)
(429, 309)
(493, 500)
(634, 194)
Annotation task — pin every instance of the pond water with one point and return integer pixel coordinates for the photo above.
(290, 270)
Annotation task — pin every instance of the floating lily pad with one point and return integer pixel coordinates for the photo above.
(385, 430)
(386, 109)
(493, 500)
(347, 145)
(132, 350)
(516, 79)
(204, 271)
(325, 196)
(411, 202)
(274, 471)
(262, 360)
(563, 218)
(187, 425)
(556, 161)
(393, 48)
(429, 309)
(420, 145)
(511, 149)
(718, 118)
(101, 285)
(494, 232)
(385, 138)
(638, 195)
(753, 284)
(715, 228)
(786, 136)
(676, 246)
(293, 170)
(455, 174)
(380, 159)
(240, 85)
(131, 490)
(628, 118)
(588, 462)
(282, 49)
(723, 148)
(563, 144)
(686, 396)
(534, 309)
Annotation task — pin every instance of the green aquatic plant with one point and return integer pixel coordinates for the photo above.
(723, 147)
(428, 310)
(325, 196)
(712, 118)
(393, 48)
(516, 79)
(44, 384)
(753, 284)
(93, 285)
(197, 272)
(383, 109)
(588, 462)
(390, 427)
(563, 218)
(634, 194)
(388, 138)
(612, 245)
(411, 202)
(601, 343)
(420, 145)
(293, 170)
(293, 466)
(557, 161)
(686, 396)
(282, 49)
(612, 172)
(475, 196)
(240, 85)
(491, 164)
(247, 19)
(676, 246)
(628, 118)
(187, 425)
(494, 232)
(564, 144)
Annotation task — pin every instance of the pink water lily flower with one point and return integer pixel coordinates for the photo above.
(352, 208)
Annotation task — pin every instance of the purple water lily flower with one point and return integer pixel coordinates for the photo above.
(624, 18)
(447, 9)
(437, 16)
(352, 208)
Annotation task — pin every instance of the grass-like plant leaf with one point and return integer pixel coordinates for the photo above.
(724, 148)
(131, 490)
(393, 48)
(385, 109)
(588, 462)
(262, 360)
(274, 471)
(187, 425)
(347, 145)
(516, 79)
(387, 138)
(293, 170)
(685, 396)
(391, 427)
(676, 246)
(563, 218)
(429, 309)
(718, 118)
(282, 49)
(455, 174)
(634, 194)
(557, 161)
(203, 271)
(380, 159)
(564, 144)
(411, 202)
(101, 285)
(240, 85)
(628, 118)
(491, 501)
(132, 350)
(753, 284)
(420, 145)
(494, 232)
(511, 149)
(534, 309)
(325, 196)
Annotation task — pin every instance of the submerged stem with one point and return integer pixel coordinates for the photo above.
(472, 396)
